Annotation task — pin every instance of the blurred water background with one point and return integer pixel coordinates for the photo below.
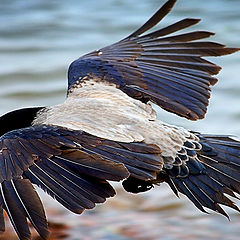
(38, 41)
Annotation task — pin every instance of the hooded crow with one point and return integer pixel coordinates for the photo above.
(106, 130)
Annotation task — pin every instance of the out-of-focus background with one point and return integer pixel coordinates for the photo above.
(38, 41)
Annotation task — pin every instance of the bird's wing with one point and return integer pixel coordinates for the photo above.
(71, 166)
(166, 69)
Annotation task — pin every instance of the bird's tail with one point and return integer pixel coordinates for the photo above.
(213, 174)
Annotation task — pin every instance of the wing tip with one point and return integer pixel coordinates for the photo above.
(230, 50)
(193, 20)
(155, 19)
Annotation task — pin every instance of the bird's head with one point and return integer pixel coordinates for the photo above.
(16, 119)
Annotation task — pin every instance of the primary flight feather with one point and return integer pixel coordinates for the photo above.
(107, 130)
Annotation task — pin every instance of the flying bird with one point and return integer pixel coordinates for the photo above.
(106, 129)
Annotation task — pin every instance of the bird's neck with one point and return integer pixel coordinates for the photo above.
(16, 119)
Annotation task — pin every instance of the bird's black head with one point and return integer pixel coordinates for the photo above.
(20, 118)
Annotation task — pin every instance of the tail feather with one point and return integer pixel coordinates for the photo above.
(206, 170)
(181, 186)
(216, 196)
(212, 175)
(222, 159)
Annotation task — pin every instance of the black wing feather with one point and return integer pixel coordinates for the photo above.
(138, 65)
(158, 16)
(2, 222)
(71, 166)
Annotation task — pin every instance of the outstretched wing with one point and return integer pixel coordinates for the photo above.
(71, 166)
(167, 70)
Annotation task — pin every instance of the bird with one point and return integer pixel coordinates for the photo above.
(107, 130)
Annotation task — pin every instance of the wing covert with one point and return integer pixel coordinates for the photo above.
(166, 69)
(71, 166)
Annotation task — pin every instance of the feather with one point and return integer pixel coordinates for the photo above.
(93, 165)
(157, 66)
(158, 16)
(32, 205)
(54, 189)
(15, 213)
(184, 189)
(2, 222)
(211, 174)
(187, 22)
